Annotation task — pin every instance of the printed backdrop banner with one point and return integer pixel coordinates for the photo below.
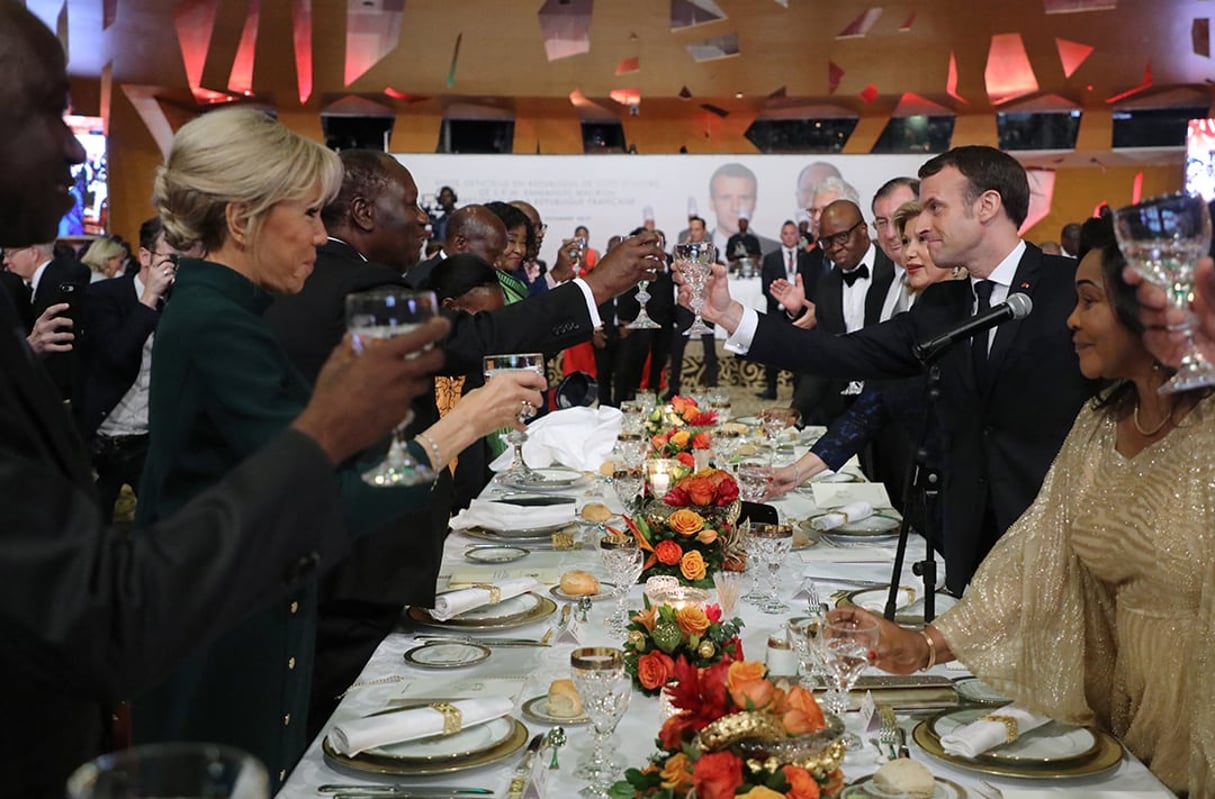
(611, 193)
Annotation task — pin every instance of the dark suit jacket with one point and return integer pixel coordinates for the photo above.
(999, 439)
(773, 268)
(19, 293)
(829, 295)
(64, 367)
(120, 325)
(417, 276)
(88, 617)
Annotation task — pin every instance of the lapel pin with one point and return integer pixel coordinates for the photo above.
(1024, 285)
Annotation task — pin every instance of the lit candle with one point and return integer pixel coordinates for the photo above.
(661, 481)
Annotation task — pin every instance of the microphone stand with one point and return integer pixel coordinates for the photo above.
(923, 484)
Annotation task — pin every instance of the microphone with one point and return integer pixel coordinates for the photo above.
(1017, 306)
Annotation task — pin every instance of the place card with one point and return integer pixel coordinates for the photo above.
(537, 782)
(572, 632)
(870, 721)
(474, 575)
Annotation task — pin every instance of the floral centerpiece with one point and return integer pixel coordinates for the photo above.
(660, 633)
(738, 734)
(690, 533)
(680, 428)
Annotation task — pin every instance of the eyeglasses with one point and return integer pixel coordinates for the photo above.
(841, 238)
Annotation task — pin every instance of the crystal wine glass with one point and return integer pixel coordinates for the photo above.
(623, 559)
(719, 401)
(774, 422)
(694, 261)
(805, 632)
(605, 688)
(773, 541)
(627, 481)
(1163, 239)
(643, 320)
(519, 471)
(386, 313)
(753, 478)
(851, 645)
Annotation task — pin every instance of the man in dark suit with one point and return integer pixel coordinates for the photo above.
(375, 229)
(1008, 398)
(471, 229)
(90, 615)
(786, 263)
(849, 297)
(122, 316)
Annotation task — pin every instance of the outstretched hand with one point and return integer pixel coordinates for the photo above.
(791, 295)
(636, 258)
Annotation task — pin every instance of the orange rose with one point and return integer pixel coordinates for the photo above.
(700, 490)
(685, 521)
(692, 566)
(648, 617)
(801, 784)
(659, 441)
(654, 670)
(677, 773)
(747, 686)
(716, 775)
(692, 620)
(761, 792)
(706, 536)
(701, 441)
(681, 439)
(799, 711)
(668, 552)
(835, 783)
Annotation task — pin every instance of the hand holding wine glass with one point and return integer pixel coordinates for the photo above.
(519, 471)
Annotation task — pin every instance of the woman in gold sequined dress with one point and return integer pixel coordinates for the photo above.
(1098, 605)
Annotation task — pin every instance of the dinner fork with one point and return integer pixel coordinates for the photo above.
(889, 732)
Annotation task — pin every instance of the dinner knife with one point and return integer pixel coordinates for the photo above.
(524, 770)
(397, 789)
(468, 639)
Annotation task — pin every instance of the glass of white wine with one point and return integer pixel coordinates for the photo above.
(1163, 239)
(694, 261)
(385, 313)
(519, 471)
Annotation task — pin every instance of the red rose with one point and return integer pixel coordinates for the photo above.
(713, 612)
(686, 459)
(700, 441)
(654, 670)
(674, 730)
(703, 419)
(801, 784)
(727, 492)
(676, 498)
(668, 552)
(716, 775)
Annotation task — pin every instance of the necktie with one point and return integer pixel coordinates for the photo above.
(903, 301)
(978, 344)
(855, 275)
(789, 267)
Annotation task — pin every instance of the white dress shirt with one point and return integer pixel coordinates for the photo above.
(37, 278)
(854, 295)
(1001, 278)
(898, 297)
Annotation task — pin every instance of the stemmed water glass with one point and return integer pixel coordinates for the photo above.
(386, 313)
(774, 422)
(772, 542)
(623, 559)
(519, 471)
(851, 645)
(806, 635)
(1163, 239)
(605, 688)
(643, 320)
(719, 402)
(694, 261)
(753, 478)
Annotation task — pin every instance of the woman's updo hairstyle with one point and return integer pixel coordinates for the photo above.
(237, 156)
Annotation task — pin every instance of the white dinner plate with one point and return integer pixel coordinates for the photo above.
(975, 691)
(446, 655)
(528, 532)
(551, 478)
(882, 523)
(1051, 744)
(606, 590)
(874, 599)
(836, 477)
(493, 554)
(536, 709)
(464, 743)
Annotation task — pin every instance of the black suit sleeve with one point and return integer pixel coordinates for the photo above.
(117, 338)
(876, 351)
(548, 322)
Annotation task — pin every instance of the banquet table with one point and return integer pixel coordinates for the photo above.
(526, 671)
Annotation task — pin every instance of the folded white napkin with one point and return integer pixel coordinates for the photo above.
(454, 603)
(359, 735)
(505, 516)
(852, 512)
(831, 496)
(580, 438)
(981, 735)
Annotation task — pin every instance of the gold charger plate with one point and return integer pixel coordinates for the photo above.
(864, 789)
(1107, 756)
(520, 538)
(543, 608)
(370, 764)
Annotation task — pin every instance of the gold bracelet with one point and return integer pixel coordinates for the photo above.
(452, 717)
(1011, 728)
(932, 650)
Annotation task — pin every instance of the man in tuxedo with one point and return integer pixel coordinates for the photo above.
(89, 615)
(786, 263)
(849, 297)
(1009, 396)
(375, 227)
(122, 315)
(471, 229)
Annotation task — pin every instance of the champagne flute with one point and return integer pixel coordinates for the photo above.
(385, 313)
(605, 688)
(519, 471)
(1163, 239)
(851, 645)
(623, 559)
(694, 261)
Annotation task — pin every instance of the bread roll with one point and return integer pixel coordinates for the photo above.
(596, 512)
(563, 701)
(905, 776)
(579, 583)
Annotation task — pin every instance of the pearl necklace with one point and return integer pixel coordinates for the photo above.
(1154, 430)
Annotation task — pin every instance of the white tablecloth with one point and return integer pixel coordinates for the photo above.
(387, 674)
